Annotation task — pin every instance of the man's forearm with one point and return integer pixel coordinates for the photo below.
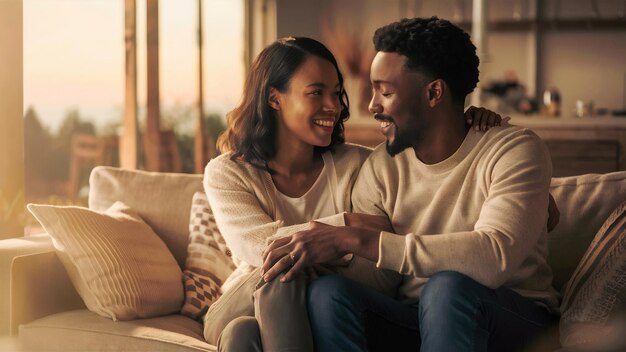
(362, 242)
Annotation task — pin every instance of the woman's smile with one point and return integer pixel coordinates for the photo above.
(326, 124)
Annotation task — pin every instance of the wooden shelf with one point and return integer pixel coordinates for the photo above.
(569, 122)
(568, 24)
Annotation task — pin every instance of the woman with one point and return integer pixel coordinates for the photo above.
(284, 163)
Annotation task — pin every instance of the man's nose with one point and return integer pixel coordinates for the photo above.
(374, 107)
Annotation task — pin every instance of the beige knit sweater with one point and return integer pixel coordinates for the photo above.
(481, 212)
(242, 198)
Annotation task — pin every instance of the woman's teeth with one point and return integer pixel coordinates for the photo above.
(384, 124)
(324, 123)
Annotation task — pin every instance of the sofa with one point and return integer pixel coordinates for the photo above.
(46, 313)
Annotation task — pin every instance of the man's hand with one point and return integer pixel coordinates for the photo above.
(319, 244)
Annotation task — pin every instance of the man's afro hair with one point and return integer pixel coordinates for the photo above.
(434, 47)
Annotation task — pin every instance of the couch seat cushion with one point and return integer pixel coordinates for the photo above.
(82, 330)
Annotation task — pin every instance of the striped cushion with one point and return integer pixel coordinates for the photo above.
(118, 265)
(208, 260)
(597, 289)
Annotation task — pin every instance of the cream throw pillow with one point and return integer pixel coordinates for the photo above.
(118, 265)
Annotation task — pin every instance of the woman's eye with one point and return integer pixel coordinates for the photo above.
(316, 92)
(385, 94)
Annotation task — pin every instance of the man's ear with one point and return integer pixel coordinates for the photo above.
(435, 92)
(273, 99)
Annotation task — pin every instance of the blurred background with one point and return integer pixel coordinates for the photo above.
(74, 79)
(147, 83)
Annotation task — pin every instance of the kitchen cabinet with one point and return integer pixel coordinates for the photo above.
(577, 145)
(581, 145)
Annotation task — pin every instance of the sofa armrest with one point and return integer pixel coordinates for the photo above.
(9, 249)
(34, 283)
(40, 286)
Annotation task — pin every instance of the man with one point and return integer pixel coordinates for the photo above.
(469, 212)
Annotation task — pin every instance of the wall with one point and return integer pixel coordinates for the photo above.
(583, 63)
(587, 66)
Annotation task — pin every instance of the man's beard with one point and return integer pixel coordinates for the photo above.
(399, 144)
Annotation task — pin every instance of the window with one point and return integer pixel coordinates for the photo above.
(73, 77)
(73, 94)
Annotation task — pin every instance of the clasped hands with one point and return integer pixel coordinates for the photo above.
(320, 244)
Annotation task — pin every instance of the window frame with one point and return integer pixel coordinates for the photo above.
(12, 207)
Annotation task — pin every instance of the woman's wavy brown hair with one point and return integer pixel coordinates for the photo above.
(251, 129)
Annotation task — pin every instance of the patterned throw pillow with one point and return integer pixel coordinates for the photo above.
(596, 292)
(208, 262)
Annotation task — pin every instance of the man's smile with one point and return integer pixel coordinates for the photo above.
(387, 124)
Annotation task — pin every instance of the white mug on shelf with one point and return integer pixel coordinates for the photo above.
(584, 108)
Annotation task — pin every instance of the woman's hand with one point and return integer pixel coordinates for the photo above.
(321, 243)
(482, 119)
(553, 214)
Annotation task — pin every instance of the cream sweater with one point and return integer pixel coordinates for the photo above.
(242, 198)
(481, 212)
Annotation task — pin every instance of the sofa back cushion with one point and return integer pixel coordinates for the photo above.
(585, 202)
(162, 200)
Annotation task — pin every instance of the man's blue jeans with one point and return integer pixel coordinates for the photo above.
(455, 313)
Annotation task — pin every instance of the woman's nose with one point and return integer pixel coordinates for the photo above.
(330, 110)
(332, 106)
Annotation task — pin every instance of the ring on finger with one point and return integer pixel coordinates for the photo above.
(293, 259)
